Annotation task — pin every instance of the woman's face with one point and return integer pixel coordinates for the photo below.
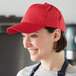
(39, 44)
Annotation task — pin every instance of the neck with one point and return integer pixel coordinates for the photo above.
(53, 62)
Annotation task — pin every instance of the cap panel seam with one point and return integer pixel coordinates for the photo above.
(46, 14)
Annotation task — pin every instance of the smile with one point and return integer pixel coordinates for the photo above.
(32, 51)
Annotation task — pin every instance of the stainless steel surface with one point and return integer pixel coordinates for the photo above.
(70, 34)
(70, 55)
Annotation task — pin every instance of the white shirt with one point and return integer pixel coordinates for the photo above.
(41, 72)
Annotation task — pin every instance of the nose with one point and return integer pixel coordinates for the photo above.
(27, 42)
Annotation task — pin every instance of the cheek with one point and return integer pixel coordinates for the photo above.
(40, 43)
(36, 43)
(47, 43)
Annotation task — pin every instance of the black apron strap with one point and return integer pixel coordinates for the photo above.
(60, 73)
(34, 69)
(63, 69)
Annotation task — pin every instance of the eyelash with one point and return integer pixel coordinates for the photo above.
(33, 36)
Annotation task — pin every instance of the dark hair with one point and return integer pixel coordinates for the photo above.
(61, 43)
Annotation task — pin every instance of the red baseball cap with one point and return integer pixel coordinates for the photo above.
(39, 16)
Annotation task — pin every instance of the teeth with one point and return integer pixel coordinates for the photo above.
(32, 52)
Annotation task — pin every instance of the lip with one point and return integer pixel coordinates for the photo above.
(32, 51)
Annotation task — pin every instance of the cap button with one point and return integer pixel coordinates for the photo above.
(45, 3)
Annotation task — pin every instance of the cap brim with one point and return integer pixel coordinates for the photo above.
(24, 28)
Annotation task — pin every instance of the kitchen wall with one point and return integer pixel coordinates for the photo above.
(13, 56)
(19, 7)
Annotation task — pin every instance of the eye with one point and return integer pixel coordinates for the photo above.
(33, 36)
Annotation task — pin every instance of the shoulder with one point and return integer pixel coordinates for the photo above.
(26, 71)
(71, 71)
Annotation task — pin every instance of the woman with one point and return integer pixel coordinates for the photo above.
(42, 29)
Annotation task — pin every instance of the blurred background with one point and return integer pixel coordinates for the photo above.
(13, 56)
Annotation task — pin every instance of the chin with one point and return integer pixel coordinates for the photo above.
(34, 58)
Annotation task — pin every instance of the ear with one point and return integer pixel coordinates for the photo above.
(57, 34)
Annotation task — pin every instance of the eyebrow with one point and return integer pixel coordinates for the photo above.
(36, 32)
